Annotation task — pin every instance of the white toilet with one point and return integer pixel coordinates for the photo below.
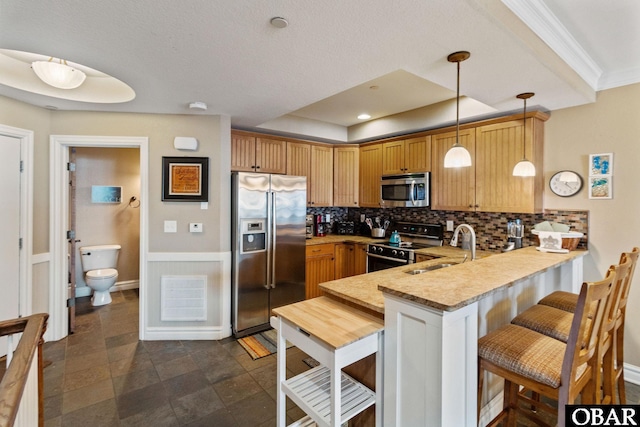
(99, 265)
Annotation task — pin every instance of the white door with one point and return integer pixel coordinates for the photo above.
(10, 231)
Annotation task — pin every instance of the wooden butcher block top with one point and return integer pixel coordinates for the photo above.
(332, 322)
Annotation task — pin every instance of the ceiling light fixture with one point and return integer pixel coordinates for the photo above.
(279, 22)
(58, 74)
(198, 105)
(364, 116)
(524, 167)
(457, 156)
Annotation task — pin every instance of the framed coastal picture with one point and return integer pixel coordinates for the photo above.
(185, 179)
(601, 164)
(601, 176)
(600, 187)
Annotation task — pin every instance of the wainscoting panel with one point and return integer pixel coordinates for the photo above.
(214, 322)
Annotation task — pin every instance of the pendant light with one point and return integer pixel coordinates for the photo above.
(457, 156)
(524, 167)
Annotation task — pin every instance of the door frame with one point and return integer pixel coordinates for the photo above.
(26, 215)
(59, 219)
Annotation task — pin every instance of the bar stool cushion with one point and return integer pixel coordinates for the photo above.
(562, 300)
(525, 352)
(550, 321)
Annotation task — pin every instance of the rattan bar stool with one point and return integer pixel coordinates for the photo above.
(544, 365)
(556, 323)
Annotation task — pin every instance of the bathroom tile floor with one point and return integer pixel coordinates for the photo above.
(102, 375)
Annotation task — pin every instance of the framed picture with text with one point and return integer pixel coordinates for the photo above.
(185, 179)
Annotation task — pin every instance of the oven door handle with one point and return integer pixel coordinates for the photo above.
(399, 260)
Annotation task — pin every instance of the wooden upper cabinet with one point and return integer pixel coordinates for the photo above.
(392, 157)
(243, 153)
(321, 175)
(452, 189)
(345, 175)
(271, 155)
(299, 159)
(417, 157)
(316, 163)
(370, 173)
(405, 156)
(498, 148)
(256, 154)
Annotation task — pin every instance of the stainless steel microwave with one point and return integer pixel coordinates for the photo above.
(410, 190)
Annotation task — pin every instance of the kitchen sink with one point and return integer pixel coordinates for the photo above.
(430, 268)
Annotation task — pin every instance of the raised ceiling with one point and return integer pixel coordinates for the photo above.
(321, 67)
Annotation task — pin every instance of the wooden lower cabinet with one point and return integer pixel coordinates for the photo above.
(360, 259)
(319, 264)
(333, 261)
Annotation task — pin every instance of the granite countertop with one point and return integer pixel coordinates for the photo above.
(449, 288)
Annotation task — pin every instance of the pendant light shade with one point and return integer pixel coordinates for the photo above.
(524, 167)
(58, 74)
(457, 156)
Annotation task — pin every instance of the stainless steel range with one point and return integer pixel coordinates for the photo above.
(383, 255)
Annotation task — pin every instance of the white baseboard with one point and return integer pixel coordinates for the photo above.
(126, 285)
(632, 374)
(205, 333)
(491, 410)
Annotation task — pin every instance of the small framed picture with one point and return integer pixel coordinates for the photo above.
(601, 164)
(185, 179)
(106, 194)
(600, 187)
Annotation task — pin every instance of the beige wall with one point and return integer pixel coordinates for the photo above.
(161, 130)
(109, 223)
(610, 125)
(25, 116)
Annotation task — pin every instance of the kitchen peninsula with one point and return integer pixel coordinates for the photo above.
(433, 321)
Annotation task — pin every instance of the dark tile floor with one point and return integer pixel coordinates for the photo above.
(104, 376)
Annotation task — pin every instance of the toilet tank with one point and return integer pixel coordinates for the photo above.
(99, 256)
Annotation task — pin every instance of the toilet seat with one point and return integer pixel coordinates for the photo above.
(102, 274)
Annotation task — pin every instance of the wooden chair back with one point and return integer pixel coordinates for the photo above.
(626, 286)
(580, 359)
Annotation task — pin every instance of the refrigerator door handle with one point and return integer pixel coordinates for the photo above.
(269, 244)
(272, 249)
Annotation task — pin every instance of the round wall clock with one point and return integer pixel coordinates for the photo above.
(565, 183)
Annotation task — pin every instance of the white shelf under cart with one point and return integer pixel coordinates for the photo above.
(336, 336)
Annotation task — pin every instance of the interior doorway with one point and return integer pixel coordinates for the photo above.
(60, 207)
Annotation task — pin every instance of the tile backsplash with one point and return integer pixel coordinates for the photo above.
(490, 228)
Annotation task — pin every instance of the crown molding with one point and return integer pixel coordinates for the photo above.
(539, 18)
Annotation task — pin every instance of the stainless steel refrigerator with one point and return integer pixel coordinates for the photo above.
(268, 243)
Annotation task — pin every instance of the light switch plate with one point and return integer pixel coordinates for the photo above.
(195, 227)
(449, 225)
(171, 226)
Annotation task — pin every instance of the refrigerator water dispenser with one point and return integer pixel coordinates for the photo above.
(253, 235)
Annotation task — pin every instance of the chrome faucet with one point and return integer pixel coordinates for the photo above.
(454, 240)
